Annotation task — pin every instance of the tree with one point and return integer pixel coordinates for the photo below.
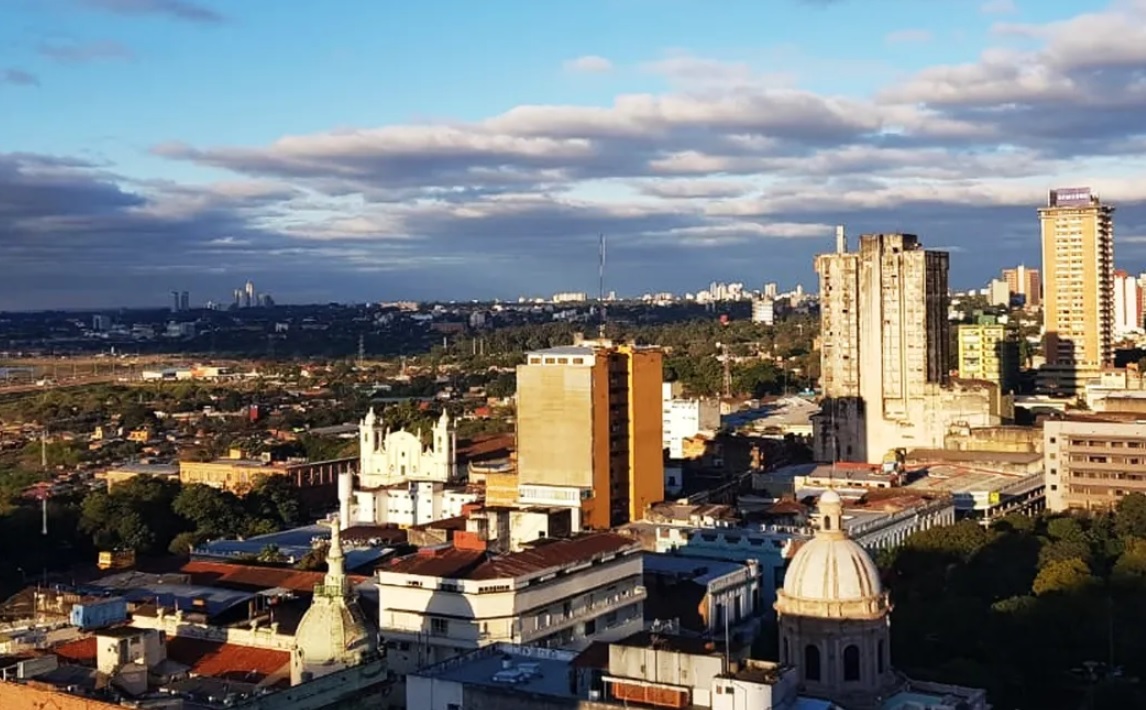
(1067, 529)
(1130, 516)
(212, 512)
(136, 514)
(274, 499)
(182, 544)
(1061, 550)
(1063, 576)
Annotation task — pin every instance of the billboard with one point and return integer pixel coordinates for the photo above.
(1066, 196)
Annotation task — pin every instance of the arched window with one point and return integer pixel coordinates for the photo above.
(787, 657)
(827, 523)
(881, 658)
(852, 663)
(812, 662)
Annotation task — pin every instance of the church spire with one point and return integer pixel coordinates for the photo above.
(335, 561)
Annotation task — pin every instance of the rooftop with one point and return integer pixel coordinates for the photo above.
(254, 578)
(700, 571)
(689, 645)
(150, 469)
(226, 660)
(955, 479)
(452, 563)
(541, 671)
(294, 544)
(945, 455)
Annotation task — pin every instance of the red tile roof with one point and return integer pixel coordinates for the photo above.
(452, 563)
(255, 577)
(81, 651)
(484, 447)
(226, 660)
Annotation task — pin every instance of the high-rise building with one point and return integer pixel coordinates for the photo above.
(763, 311)
(885, 350)
(884, 319)
(1078, 308)
(1128, 311)
(589, 420)
(184, 301)
(989, 350)
(174, 301)
(1025, 282)
(999, 293)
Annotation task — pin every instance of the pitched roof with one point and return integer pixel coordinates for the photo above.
(81, 651)
(254, 577)
(452, 563)
(226, 660)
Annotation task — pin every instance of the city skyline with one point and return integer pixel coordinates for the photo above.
(157, 142)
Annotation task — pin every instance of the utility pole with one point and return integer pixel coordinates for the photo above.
(44, 448)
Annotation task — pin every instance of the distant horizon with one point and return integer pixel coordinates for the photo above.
(154, 145)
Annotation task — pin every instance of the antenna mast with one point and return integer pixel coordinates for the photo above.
(601, 282)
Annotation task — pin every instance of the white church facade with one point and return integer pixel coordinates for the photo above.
(402, 480)
(387, 457)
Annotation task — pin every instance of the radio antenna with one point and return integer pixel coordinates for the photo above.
(601, 283)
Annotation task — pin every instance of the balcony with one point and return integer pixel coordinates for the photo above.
(586, 612)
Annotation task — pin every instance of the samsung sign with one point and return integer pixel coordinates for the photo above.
(1070, 196)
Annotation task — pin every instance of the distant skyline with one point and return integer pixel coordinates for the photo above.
(447, 149)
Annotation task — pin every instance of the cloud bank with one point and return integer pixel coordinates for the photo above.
(730, 173)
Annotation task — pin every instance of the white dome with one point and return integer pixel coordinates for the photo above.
(832, 569)
(831, 576)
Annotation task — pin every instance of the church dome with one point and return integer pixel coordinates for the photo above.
(831, 576)
(333, 633)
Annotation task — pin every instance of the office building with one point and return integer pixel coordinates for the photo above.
(884, 353)
(442, 602)
(1025, 282)
(1092, 463)
(989, 350)
(999, 293)
(1078, 311)
(1128, 313)
(589, 437)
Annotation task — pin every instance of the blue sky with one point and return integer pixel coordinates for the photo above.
(175, 106)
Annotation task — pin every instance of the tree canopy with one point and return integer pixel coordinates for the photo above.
(1020, 607)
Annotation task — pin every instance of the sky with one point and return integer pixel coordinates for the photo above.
(451, 149)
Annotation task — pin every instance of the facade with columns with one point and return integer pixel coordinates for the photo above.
(387, 457)
(835, 624)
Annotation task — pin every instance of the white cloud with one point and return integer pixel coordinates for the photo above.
(589, 64)
(729, 155)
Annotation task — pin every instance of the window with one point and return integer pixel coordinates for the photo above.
(439, 627)
(852, 663)
(880, 661)
(811, 662)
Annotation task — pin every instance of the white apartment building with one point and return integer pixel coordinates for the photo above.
(685, 418)
(763, 311)
(1128, 304)
(443, 602)
(404, 504)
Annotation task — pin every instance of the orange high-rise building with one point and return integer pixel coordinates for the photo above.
(1025, 282)
(589, 431)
